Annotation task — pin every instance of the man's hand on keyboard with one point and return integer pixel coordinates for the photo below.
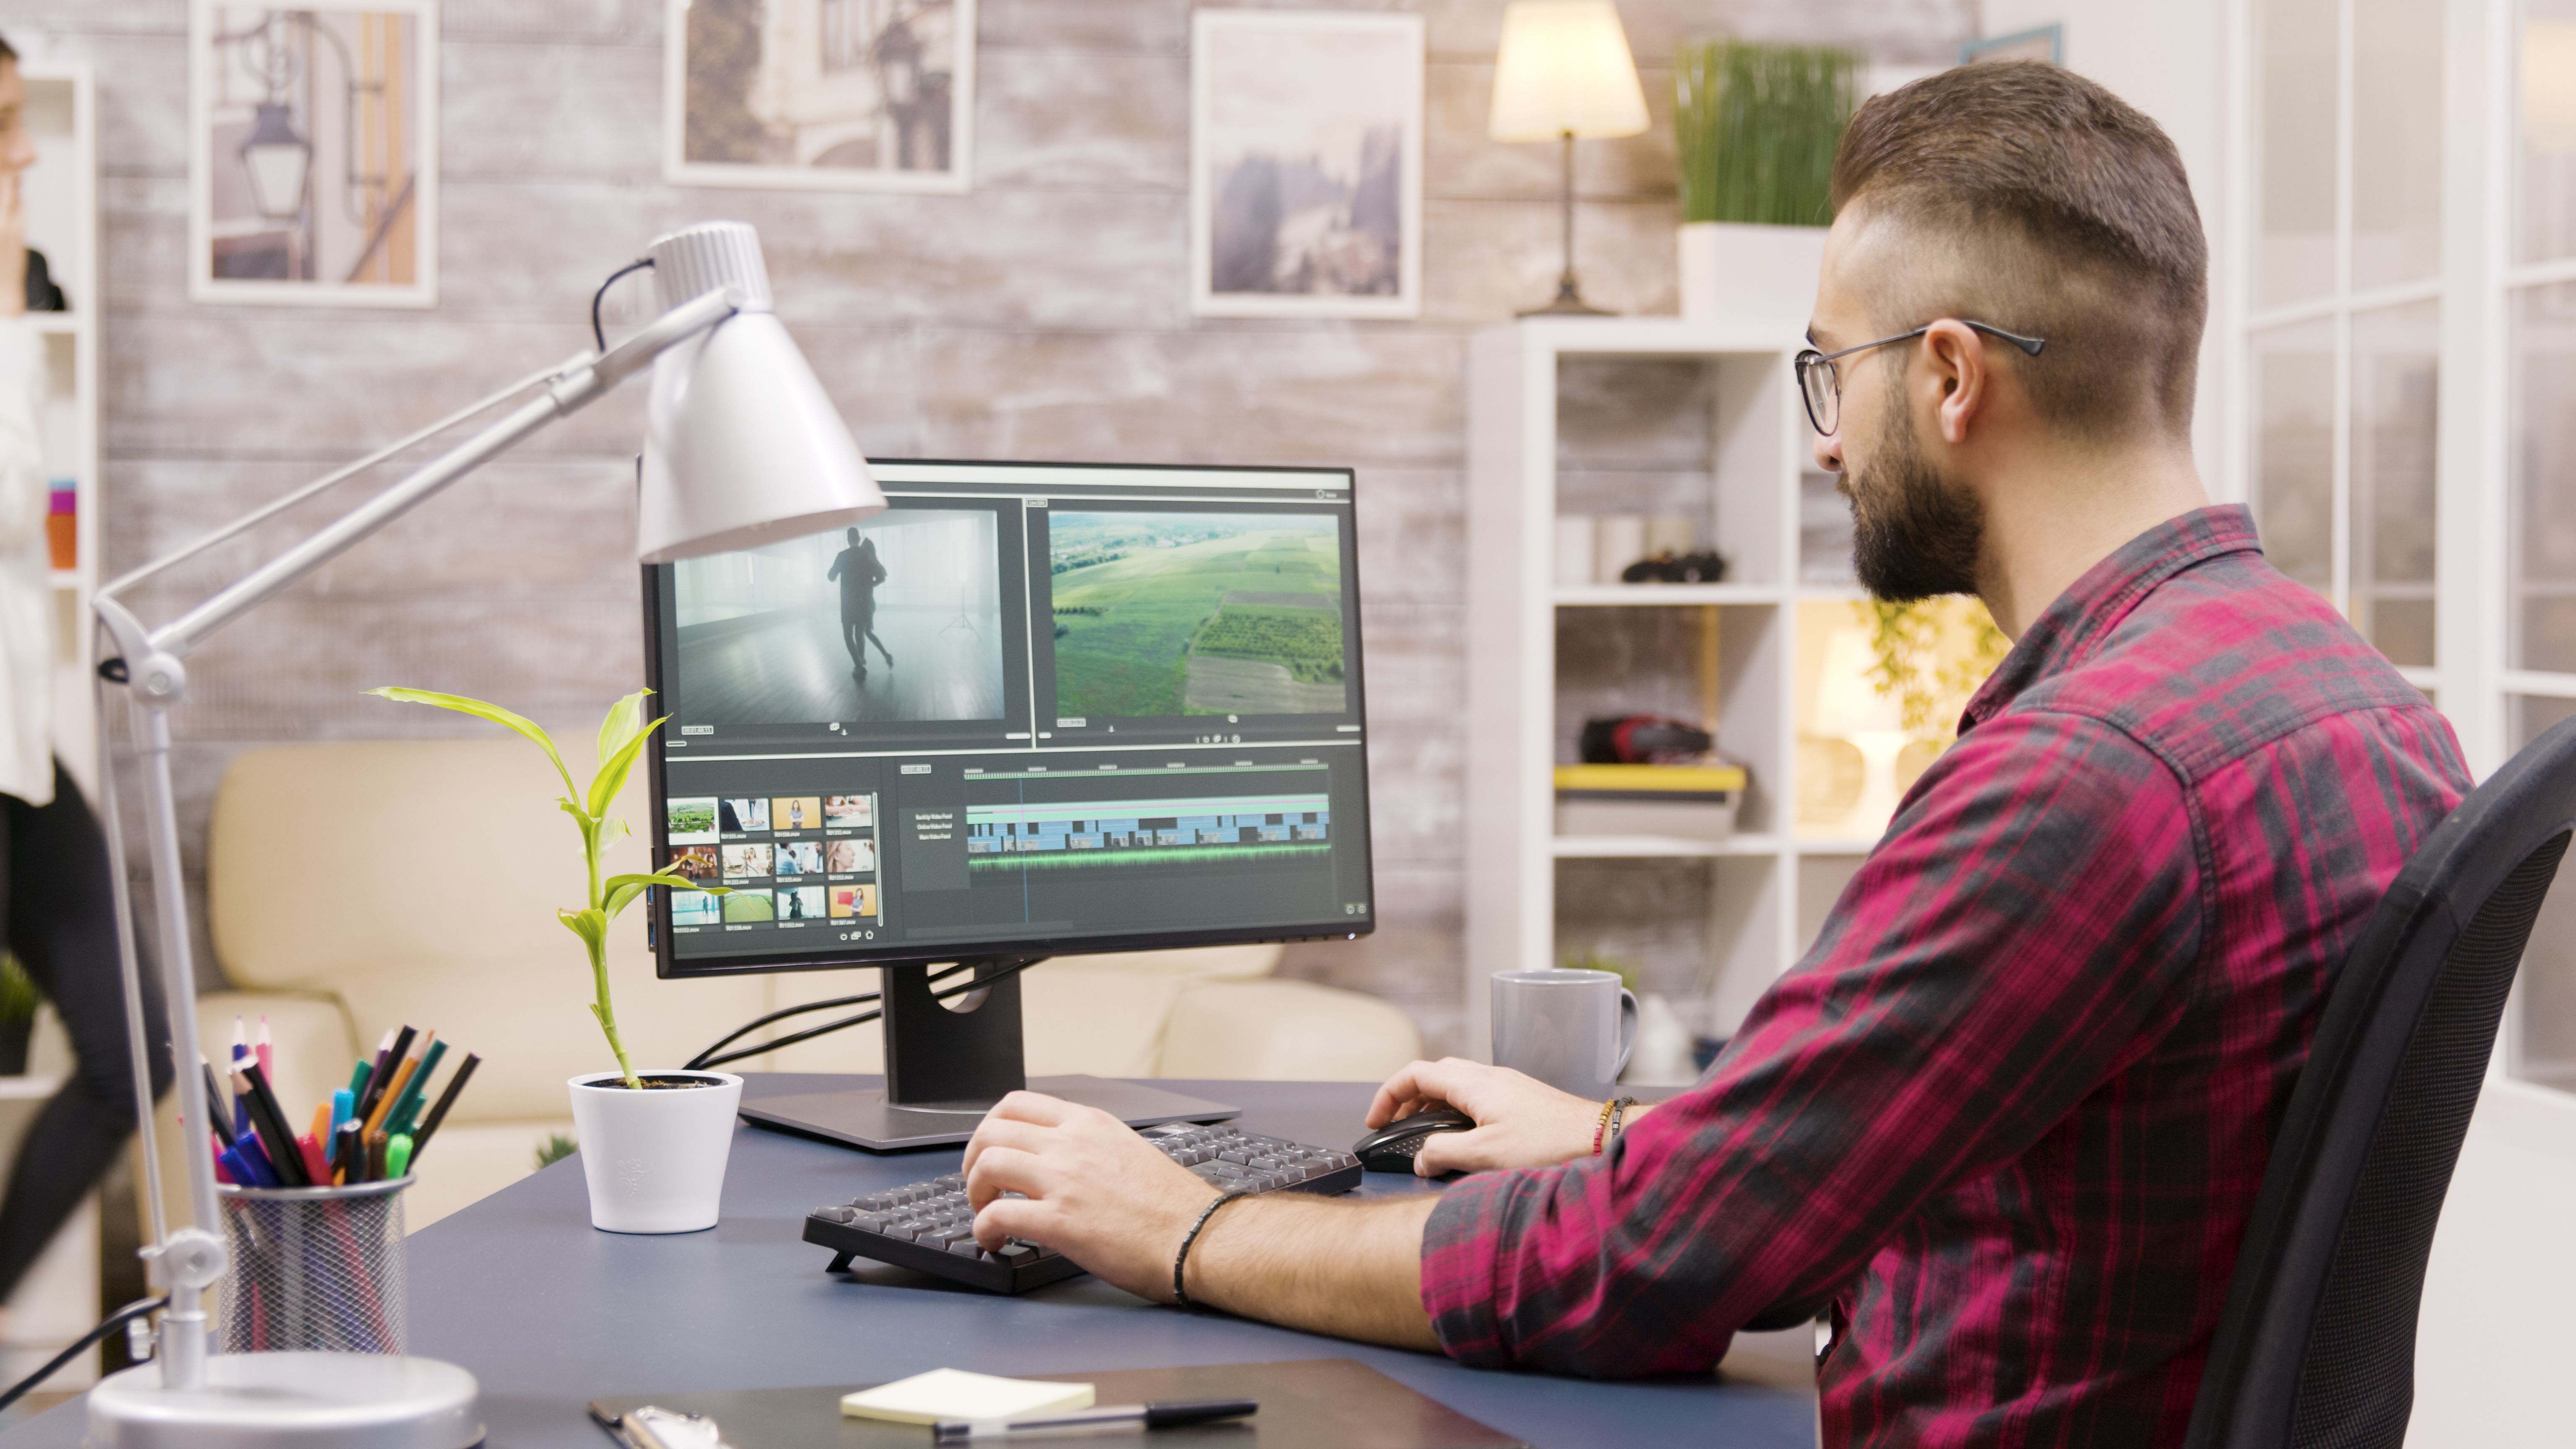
(1087, 1186)
(1520, 1121)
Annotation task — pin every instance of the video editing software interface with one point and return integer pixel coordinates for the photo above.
(1039, 707)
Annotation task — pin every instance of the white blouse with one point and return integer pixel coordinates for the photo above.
(26, 573)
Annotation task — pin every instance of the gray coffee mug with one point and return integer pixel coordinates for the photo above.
(1570, 1029)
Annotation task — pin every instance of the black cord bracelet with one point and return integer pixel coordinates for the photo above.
(1181, 1259)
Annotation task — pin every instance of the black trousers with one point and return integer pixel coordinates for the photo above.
(59, 911)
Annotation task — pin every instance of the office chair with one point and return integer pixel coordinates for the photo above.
(2316, 1347)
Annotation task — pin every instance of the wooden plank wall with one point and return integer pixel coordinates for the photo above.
(1043, 316)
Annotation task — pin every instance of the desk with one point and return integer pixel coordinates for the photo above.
(549, 1313)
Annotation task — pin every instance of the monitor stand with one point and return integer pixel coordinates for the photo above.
(947, 1063)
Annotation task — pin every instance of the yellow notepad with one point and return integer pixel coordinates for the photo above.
(957, 1394)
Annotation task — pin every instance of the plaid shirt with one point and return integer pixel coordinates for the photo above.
(2010, 1114)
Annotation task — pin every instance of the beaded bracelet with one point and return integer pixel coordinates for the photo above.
(1618, 1119)
(1601, 1127)
(1181, 1259)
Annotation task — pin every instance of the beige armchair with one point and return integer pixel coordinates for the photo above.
(355, 887)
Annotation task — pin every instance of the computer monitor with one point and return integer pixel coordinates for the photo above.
(1029, 710)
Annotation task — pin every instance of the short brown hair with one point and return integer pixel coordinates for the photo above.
(2067, 216)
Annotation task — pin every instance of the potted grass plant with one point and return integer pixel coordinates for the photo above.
(1756, 127)
(653, 1143)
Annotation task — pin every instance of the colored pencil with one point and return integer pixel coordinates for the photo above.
(446, 1099)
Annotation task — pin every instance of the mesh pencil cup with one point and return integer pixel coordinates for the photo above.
(314, 1268)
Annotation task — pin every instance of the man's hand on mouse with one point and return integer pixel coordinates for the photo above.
(1520, 1121)
(1090, 1188)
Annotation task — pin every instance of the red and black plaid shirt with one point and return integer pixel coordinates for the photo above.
(2010, 1114)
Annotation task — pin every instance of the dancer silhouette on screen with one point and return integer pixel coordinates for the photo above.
(860, 573)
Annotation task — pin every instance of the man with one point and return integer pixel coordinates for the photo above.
(2007, 1119)
(860, 573)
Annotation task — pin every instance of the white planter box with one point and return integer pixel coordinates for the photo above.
(655, 1160)
(1751, 276)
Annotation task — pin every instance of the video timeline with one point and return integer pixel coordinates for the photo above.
(1147, 832)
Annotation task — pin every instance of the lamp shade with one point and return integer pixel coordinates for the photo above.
(1565, 70)
(741, 445)
(278, 162)
(1847, 699)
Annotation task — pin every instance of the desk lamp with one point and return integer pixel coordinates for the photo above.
(1564, 72)
(741, 445)
(1849, 707)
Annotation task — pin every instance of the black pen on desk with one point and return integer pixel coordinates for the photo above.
(1169, 1414)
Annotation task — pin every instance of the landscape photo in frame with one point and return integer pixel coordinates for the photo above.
(1305, 164)
(313, 153)
(830, 95)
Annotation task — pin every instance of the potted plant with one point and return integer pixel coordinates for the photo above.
(18, 1001)
(653, 1143)
(1756, 127)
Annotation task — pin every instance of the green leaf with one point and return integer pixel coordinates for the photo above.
(591, 926)
(613, 771)
(625, 720)
(480, 710)
(623, 889)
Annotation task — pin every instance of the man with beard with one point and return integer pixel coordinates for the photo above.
(2007, 1119)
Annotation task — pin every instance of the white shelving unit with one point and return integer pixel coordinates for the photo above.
(61, 194)
(1759, 920)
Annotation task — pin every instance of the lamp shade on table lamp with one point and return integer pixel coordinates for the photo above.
(741, 444)
(1564, 70)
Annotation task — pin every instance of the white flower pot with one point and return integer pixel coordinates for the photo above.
(655, 1159)
(1761, 277)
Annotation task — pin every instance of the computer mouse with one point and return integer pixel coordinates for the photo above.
(1391, 1147)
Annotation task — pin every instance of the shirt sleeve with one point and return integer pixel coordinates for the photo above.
(2026, 929)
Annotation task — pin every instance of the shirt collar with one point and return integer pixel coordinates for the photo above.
(2071, 628)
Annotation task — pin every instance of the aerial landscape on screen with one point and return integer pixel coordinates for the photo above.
(1160, 614)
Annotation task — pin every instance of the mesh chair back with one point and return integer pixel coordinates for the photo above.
(2317, 1343)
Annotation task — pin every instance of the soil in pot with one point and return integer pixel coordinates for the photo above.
(654, 1083)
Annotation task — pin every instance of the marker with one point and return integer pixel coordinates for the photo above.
(344, 1104)
(397, 1156)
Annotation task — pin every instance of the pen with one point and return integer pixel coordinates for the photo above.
(216, 1109)
(387, 1061)
(1165, 1415)
(398, 1119)
(275, 1135)
(446, 1099)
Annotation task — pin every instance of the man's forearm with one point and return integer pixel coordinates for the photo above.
(1353, 1270)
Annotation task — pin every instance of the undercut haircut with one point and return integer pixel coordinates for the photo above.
(2032, 199)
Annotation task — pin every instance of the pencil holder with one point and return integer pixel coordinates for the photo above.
(314, 1268)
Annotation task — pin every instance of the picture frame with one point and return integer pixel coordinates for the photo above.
(2040, 42)
(313, 153)
(1306, 135)
(817, 95)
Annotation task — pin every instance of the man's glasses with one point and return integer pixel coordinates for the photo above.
(1821, 383)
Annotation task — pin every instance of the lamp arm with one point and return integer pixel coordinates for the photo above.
(148, 663)
(570, 391)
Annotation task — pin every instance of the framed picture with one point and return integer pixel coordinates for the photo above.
(1305, 164)
(313, 153)
(2044, 42)
(824, 95)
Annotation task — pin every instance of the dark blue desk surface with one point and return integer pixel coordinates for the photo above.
(549, 1314)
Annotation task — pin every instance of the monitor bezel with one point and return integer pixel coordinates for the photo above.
(668, 966)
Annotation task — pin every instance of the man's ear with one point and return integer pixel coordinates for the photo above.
(1963, 371)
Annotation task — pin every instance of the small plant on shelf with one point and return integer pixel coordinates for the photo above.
(1756, 126)
(18, 1002)
(622, 737)
(1931, 657)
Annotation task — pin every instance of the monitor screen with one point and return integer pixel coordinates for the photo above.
(1030, 709)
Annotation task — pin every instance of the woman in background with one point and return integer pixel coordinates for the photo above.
(57, 909)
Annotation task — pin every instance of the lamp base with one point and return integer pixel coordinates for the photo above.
(291, 1401)
(1569, 303)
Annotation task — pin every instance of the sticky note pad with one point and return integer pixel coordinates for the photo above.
(957, 1394)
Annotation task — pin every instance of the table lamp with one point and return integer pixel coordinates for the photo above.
(741, 444)
(1564, 73)
(1849, 707)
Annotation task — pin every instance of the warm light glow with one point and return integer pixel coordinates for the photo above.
(2549, 86)
(1565, 68)
(1847, 699)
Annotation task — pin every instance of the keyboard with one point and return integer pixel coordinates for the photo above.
(927, 1225)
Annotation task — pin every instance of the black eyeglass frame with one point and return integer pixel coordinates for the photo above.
(1808, 361)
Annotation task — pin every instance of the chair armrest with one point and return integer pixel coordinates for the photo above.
(1285, 1031)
